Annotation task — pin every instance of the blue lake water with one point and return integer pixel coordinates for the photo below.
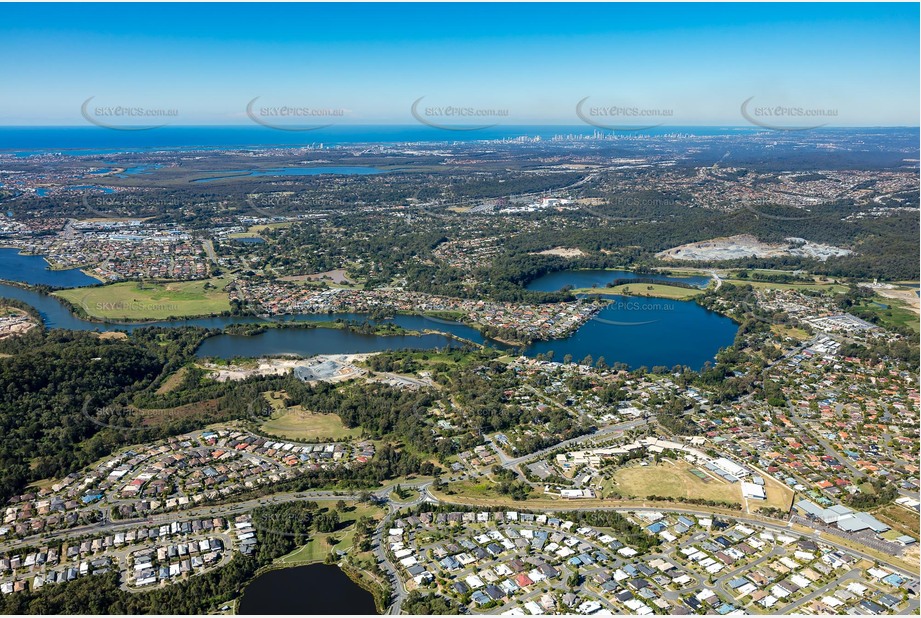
(646, 332)
(297, 171)
(140, 169)
(34, 269)
(635, 331)
(638, 331)
(315, 589)
(308, 342)
(556, 281)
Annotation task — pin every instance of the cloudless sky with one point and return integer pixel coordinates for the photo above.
(534, 60)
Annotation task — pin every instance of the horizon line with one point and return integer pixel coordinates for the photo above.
(497, 126)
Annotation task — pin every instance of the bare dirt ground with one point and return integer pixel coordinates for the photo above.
(15, 325)
(744, 245)
(336, 276)
(342, 365)
(113, 335)
(565, 252)
(909, 297)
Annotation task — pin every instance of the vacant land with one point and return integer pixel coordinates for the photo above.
(782, 330)
(131, 300)
(672, 480)
(835, 288)
(745, 245)
(566, 252)
(172, 382)
(255, 231)
(680, 480)
(900, 518)
(295, 423)
(201, 412)
(906, 294)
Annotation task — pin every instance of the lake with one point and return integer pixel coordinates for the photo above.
(646, 332)
(312, 589)
(34, 269)
(312, 341)
(636, 331)
(274, 341)
(556, 281)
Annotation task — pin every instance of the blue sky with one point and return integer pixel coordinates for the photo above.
(537, 60)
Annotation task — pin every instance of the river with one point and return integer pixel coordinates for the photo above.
(635, 331)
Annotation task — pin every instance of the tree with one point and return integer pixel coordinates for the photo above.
(573, 580)
(327, 522)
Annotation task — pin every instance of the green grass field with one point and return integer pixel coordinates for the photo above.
(130, 300)
(297, 424)
(894, 313)
(321, 544)
(675, 480)
(671, 481)
(834, 287)
(656, 290)
(255, 231)
(790, 331)
(173, 381)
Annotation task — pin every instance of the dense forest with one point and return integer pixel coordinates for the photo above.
(62, 396)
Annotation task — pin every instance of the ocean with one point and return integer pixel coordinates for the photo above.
(91, 140)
